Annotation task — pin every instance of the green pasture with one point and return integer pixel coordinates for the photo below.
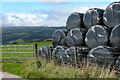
(19, 55)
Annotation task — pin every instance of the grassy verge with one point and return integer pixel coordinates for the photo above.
(39, 68)
(14, 68)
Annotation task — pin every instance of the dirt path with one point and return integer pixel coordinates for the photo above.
(7, 75)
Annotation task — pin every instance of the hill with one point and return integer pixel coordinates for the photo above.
(27, 34)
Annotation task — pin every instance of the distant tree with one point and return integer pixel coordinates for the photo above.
(14, 42)
(36, 40)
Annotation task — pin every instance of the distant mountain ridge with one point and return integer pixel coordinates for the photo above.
(33, 26)
(27, 34)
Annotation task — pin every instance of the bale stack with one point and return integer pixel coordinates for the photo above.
(103, 55)
(75, 37)
(111, 17)
(94, 36)
(75, 20)
(59, 37)
(97, 35)
(93, 17)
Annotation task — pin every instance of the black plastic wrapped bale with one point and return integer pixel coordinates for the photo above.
(70, 55)
(82, 54)
(115, 37)
(111, 16)
(76, 37)
(102, 55)
(83, 50)
(92, 17)
(45, 52)
(59, 54)
(74, 21)
(59, 37)
(117, 65)
(76, 54)
(96, 36)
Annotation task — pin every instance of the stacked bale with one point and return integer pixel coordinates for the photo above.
(76, 54)
(115, 37)
(94, 35)
(102, 55)
(74, 21)
(111, 17)
(59, 54)
(75, 37)
(45, 52)
(70, 54)
(93, 17)
(59, 37)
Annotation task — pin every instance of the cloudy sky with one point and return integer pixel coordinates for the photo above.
(44, 13)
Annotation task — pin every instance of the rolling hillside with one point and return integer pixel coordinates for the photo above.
(26, 34)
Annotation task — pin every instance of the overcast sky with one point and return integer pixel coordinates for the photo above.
(44, 13)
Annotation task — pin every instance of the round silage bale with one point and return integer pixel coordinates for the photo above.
(83, 51)
(70, 54)
(76, 54)
(59, 37)
(45, 51)
(59, 54)
(75, 37)
(111, 16)
(102, 55)
(96, 36)
(92, 17)
(115, 37)
(74, 21)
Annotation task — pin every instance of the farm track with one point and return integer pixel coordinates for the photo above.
(8, 75)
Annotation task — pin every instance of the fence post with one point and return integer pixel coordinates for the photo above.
(35, 50)
(50, 52)
(75, 55)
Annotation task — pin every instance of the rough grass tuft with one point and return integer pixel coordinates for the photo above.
(39, 68)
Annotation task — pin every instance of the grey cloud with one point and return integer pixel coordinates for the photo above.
(15, 17)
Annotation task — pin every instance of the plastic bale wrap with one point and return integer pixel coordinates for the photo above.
(74, 21)
(82, 54)
(59, 37)
(115, 37)
(70, 55)
(75, 55)
(59, 54)
(83, 50)
(117, 65)
(102, 55)
(92, 17)
(111, 16)
(45, 52)
(96, 36)
(76, 37)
